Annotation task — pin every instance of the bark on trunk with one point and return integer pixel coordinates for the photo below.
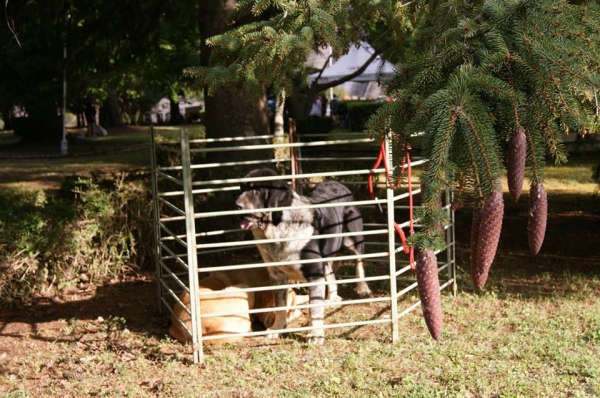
(110, 112)
(229, 112)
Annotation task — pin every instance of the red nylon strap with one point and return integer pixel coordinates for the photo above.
(394, 185)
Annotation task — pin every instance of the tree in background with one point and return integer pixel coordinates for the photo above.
(124, 55)
(270, 41)
(251, 47)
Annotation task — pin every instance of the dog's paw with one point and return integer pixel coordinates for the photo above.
(315, 340)
(333, 300)
(364, 291)
(273, 335)
(316, 337)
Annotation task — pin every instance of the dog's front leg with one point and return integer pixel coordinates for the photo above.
(332, 287)
(315, 272)
(316, 296)
(280, 295)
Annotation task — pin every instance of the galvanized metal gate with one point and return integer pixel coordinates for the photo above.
(196, 229)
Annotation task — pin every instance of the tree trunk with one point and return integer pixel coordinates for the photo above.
(110, 112)
(230, 113)
(279, 116)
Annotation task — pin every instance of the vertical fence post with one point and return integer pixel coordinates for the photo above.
(391, 240)
(156, 218)
(450, 242)
(186, 163)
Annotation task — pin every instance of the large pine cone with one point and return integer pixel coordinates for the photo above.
(515, 163)
(538, 215)
(429, 292)
(474, 239)
(488, 236)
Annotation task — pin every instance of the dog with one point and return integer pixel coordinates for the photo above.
(229, 297)
(263, 299)
(302, 227)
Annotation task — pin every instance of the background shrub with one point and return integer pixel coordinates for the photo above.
(359, 112)
(315, 125)
(94, 229)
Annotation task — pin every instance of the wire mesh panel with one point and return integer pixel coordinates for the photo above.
(199, 237)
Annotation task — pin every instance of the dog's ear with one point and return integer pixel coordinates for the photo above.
(278, 196)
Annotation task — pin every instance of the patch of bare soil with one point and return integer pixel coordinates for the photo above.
(44, 321)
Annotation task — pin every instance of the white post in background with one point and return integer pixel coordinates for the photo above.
(330, 64)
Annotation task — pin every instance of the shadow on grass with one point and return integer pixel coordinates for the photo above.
(134, 301)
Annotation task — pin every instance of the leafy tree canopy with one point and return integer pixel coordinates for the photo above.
(471, 74)
(273, 47)
(135, 48)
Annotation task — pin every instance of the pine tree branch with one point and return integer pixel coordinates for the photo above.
(475, 170)
(532, 150)
(438, 158)
(480, 145)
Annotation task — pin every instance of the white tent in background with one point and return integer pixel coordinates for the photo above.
(351, 62)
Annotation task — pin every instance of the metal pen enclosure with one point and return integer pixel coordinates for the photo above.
(197, 230)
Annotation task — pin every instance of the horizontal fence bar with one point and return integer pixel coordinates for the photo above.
(171, 236)
(169, 177)
(255, 242)
(230, 139)
(238, 163)
(171, 206)
(305, 328)
(277, 146)
(288, 177)
(307, 261)
(174, 256)
(302, 306)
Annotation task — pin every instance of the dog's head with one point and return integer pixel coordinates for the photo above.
(262, 195)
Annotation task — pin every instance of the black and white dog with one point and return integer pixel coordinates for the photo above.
(302, 226)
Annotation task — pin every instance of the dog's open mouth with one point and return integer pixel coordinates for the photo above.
(251, 222)
(247, 224)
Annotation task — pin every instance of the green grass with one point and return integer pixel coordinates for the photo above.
(534, 332)
(39, 164)
(117, 139)
(492, 346)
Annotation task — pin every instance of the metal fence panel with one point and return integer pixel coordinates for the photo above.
(195, 232)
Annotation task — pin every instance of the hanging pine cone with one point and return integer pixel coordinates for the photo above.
(429, 292)
(538, 215)
(474, 239)
(456, 205)
(488, 236)
(515, 163)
